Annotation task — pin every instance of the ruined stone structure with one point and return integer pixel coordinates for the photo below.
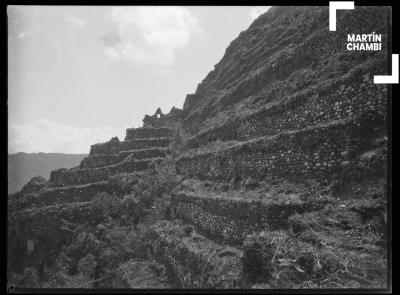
(287, 101)
(140, 147)
(157, 120)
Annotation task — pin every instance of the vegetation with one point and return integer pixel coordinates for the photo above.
(112, 235)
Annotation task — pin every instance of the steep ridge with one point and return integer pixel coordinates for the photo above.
(272, 176)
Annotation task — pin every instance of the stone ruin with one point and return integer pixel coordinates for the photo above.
(312, 132)
(140, 147)
(155, 121)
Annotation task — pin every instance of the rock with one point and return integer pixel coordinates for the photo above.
(34, 185)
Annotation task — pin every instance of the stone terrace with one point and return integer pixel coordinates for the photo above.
(81, 184)
(229, 215)
(310, 133)
(352, 95)
(141, 146)
(197, 261)
(310, 152)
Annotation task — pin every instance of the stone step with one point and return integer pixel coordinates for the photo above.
(195, 260)
(146, 143)
(145, 153)
(312, 151)
(102, 160)
(114, 146)
(147, 132)
(63, 177)
(228, 215)
(59, 195)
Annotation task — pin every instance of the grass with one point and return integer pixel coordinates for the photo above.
(329, 248)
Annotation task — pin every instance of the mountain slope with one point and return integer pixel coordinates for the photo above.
(285, 51)
(282, 183)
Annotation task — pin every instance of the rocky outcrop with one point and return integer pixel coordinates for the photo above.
(34, 185)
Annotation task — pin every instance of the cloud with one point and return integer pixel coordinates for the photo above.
(257, 11)
(151, 34)
(80, 23)
(112, 53)
(51, 137)
(110, 39)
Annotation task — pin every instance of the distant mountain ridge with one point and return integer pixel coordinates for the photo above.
(23, 166)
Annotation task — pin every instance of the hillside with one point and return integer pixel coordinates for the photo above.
(272, 176)
(23, 166)
(284, 54)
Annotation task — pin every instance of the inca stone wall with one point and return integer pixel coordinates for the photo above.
(231, 219)
(64, 177)
(102, 160)
(146, 132)
(114, 147)
(59, 195)
(146, 153)
(274, 48)
(308, 152)
(190, 257)
(156, 121)
(114, 157)
(145, 143)
(351, 96)
(110, 147)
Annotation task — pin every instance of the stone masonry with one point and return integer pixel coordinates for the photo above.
(140, 147)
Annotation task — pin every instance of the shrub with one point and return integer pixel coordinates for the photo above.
(87, 265)
(161, 207)
(259, 250)
(107, 206)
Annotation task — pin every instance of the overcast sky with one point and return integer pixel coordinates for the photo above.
(80, 75)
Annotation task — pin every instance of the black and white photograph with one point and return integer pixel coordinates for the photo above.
(195, 148)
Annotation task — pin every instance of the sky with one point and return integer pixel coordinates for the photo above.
(79, 75)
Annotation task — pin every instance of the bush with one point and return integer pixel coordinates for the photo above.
(107, 206)
(161, 207)
(85, 243)
(259, 251)
(87, 265)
